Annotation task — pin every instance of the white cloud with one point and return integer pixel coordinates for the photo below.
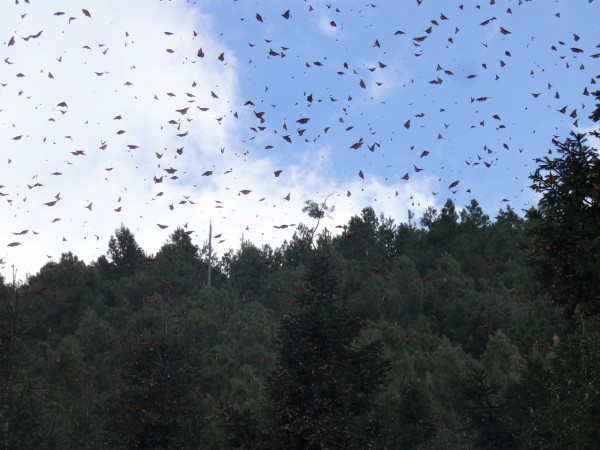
(326, 27)
(128, 44)
(324, 21)
(385, 83)
(125, 45)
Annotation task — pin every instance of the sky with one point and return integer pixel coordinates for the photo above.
(163, 114)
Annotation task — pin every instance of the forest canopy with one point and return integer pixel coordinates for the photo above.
(464, 332)
(475, 324)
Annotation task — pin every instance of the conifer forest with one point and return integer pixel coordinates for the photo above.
(301, 225)
(459, 330)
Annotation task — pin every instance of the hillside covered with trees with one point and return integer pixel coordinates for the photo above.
(462, 331)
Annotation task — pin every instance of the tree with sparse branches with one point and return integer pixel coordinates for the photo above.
(317, 211)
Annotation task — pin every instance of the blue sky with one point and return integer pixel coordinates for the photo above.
(428, 94)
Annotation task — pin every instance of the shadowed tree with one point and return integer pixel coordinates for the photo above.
(472, 217)
(250, 268)
(158, 405)
(125, 253)
(178, 264)
(486, 411)
(564, 227)
(595, 116)
(22, 398)
(296, 251)
(323, 389)
(571, 415)
(444, 227)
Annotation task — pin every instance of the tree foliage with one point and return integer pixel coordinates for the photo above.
(352, 340)
(325, 382)
(317, 211)
(124, 252)
(23, 423)
(564, 227)
(157, 404)
(570, 416)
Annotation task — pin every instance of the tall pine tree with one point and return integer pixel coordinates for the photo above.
(564, 227)
(325, 383)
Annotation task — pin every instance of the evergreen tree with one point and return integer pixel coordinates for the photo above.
(564, 227)
(361, 241)
(125, 253)
(415, 415)
(324, 386)
(249, 269)
(296, 251)
(472, 217)
(179, 266)
(157, 404)
(486, 411)
(595, 116)
(22, 397)
(571, 415)
(61, 292)
(444, 226)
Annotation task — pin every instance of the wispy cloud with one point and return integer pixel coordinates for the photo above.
(325, 22)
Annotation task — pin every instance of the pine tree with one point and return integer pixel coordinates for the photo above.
(157, 403)
(124, 252)
(564, 227)
(22, 398)
(324, 386)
